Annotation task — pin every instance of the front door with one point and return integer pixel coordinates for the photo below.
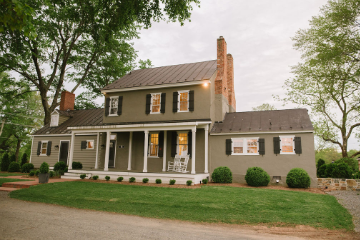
(64, 151)
(112, 154)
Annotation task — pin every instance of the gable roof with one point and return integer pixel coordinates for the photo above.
(264, 121)
(188, 72)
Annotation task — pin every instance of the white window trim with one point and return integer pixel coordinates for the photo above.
(114, 114)
(293, 144)
(151, 104)
(44, 141)
(157, 156)
(57, 120)
(183, 91)
(177, 142)
(245, 146)
(87, 141)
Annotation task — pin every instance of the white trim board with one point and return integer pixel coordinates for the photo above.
(247, 133)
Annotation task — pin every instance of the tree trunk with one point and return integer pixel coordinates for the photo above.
(17, 150)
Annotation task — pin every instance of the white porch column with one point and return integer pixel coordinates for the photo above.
(206, 149)
(97, 151)
(164, 151)
(193, 150)
(130, 149)
(71, 150)
(146, 143)
(107, 151)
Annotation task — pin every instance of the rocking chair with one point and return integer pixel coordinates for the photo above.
(174, 166)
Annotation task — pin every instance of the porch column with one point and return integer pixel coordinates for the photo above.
(146, 143)
(164, 151)
(107, 151)
(130, 149)
(97, 151)
(71, 150)
(206, 149)
(193, 150)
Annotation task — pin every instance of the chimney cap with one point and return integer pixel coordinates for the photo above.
(221, 37)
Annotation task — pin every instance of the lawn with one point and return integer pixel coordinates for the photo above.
(4, 180)
(206, 204)
(6, 174)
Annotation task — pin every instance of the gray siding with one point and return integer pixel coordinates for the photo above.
(86, 156)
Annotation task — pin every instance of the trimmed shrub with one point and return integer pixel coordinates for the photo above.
(77, 165)
(329, 169)
(12, 158)
(158, 181)
(83, 176)
(132, 179)
(37, 172)
(320, 163)
(204, 181)
(23, 159)
(342, 170)
(66, 169)
(27, 167)
(107, 178)
(298, 178)
(95, 177)
(256, 177)
(172, 181)
(222, 175)
(44, 168)
(52, 173)
(188, 182)
(321, 173)
(119, 179)
(353, 163)
(59, 166)
(145, 180)
(32, 173)
(356, 175)
(14, 167)
(5, 162)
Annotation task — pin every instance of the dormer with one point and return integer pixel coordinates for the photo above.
(54, 119)
(58, 117)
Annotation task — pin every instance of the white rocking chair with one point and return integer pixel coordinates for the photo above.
(174, 166)
(183, 164)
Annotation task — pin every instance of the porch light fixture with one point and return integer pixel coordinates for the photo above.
(102, 146)
(206, 84)
(56, 147)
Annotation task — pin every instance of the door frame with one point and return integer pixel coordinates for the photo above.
(115, 145)
(67, 160)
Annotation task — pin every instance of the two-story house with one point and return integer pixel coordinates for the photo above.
(152, 115)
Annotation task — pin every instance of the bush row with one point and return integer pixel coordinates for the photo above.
(342, 168)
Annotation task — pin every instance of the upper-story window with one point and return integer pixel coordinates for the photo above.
(54, 120)
(183, 101)
(287, 144)
(155, 102)
(113, 108)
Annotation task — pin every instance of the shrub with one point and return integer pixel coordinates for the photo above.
(172, 181)
(356, 175)
(119, 179)
(5, 162)
(320, 163)
(83, 176)
(188, 182)
(298, 178)
(77, 165)
(256, 177)
(222, 175)
(95, 177)
(66, 169)
(32, 173)
(12, 158)
(37, 172)
(351, 162)
(52, 173)
(27, 167)
(204, 181)
(107, 178)
(329, 169)
(158, 181)
(145, 180)
(44, 168)
(342, 170)
(23, 159)
(59, 166)
(132, 179)
(14, 167)
(321, 173)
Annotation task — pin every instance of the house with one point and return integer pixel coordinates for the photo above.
(151, 115)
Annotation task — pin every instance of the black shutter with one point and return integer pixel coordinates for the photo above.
(148, 102)
(83, 144)
(173, 143)
(191, 100)
(149, 143)
(48, 150)
(175, 101)
(261, 146)
(119, 112)
(107, 106)
(277, 145)
(161, 144)
(228, 147)
(190, 143)
(298, 149)
(39, 148)
(162, 106)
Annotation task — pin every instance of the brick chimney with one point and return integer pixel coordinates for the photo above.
(230, 82)
(67, 101)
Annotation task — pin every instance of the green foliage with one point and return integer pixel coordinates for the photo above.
(37, 172)
(86, 100)
(264, 107)
(132, 179)
(95, 177)
(27, 167)
(107, 178)
(31, 173)
(145, 180)
(59, 166)
(205, 181)
(351, 162)
(5, 162)
(120, 179)
(52, 173)
(44, 168)
(222, 175)
(321, 173)
(298, 178)
(188, 183)
(172, 181)
(341, 170)
(356, 175)
(329, 169)
(77, 165)
(320, 163)
(83, 176)
(145, 64)
(256, 177)
(158, 181)
(23, 159)
(12, 158)
(14, 167)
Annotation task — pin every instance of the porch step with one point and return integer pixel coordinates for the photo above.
(7, 189)
(68, 175)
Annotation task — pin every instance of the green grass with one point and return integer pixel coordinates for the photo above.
(206, 204)
(6, 174)
(5, 180)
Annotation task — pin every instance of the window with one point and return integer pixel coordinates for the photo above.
(245, 146)
(155, 102)
(183, 101)
(43, 150)
(54, 120)
(183, 144)
(287, 144)
(113, 106)
(90, 144)
(154, 145)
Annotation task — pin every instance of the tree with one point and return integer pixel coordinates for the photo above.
(264, 107)
(327, 80)
(82, 42)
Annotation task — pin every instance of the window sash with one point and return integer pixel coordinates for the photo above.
(182, 144)
(287, 145)
(90, 144)
(155, 102)
(114, 101)
(54, 120)
(183, 101)
(154, 145)
(245, 146)
(43, 148)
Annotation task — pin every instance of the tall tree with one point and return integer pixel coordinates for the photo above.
(264, 107)
(327, 80)
(82, 41)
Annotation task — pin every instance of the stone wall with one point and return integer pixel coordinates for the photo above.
(333, 184)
